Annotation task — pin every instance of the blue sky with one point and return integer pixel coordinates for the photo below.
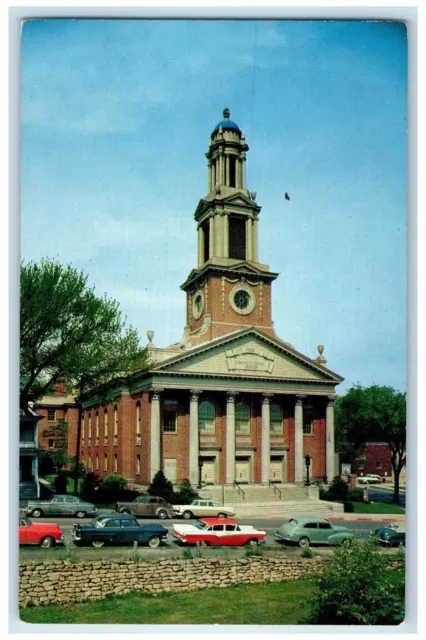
(116, 118)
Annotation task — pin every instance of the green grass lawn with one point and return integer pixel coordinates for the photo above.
(377, 507)
(70, 483)
(282, 603)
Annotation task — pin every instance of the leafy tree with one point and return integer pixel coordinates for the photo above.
(69, 333)
(373, 413)
(354, 588)
(338, 489)
(161, 486)
(59, 433)
(185, 494)
(61, 482)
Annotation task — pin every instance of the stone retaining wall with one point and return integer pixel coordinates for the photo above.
(62, 582)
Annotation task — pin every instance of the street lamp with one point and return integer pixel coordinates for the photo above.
(308, 464)
(200, 469)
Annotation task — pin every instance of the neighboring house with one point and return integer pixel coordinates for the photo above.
(376, 458)
(55, 409)
(231, 402)
(28, 453)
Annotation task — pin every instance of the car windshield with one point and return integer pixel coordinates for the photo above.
(293, 521)
(199, 525)
(100, 524)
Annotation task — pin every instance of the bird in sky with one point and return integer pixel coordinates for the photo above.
(287, 197)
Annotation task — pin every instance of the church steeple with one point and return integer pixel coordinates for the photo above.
(226, 157)
(230, 288)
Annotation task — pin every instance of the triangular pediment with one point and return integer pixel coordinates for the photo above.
(248, 353)
(224, 201)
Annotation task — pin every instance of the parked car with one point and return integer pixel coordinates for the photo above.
(307, 530)
(118, 529)
(60, 505)
(392, 535)
(200, 508)
(149, 506)
(216, 532)
(44, 534)
(370, 478)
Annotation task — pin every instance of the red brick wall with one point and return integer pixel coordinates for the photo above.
(375, 453)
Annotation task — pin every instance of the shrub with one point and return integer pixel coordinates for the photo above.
(113, 482)
(161, 486)
(187, 554)
(348, 507)
(356, 495)
(338, 490)
(307, 553)
(354, 588)
(185, 494)
(89, 485)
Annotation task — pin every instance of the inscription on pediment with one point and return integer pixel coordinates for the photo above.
(249, 358)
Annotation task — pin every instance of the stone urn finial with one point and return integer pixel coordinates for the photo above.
(321, 358)
(150, 335)
(226, 113)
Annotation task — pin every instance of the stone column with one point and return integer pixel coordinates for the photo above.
(230, 437)
(200, 246)
(249, 239)
(243, 172)
(329, 437)
(226, 236)
(211, 237)
(155, 432)
(298, 439)
(256, 240)
(210, 181)
(266, 438)
(194, 440)
(218, 241)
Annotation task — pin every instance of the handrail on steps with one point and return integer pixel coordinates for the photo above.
(276, 490)
(240, 490)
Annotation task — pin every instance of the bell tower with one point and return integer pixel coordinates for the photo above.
(230, 289)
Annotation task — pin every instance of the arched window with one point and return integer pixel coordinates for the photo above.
(115, 424)
(206, 417)
(276, 423)
(242, 418)
(106, 426)
(138, 423)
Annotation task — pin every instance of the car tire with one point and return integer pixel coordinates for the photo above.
(154, 542)
(222, 515)
(98, 544)
(304, 542)
(47, 542)
(187, 515)
(203, 543)
(36, 513)
(80, 514)
(252, 543)
(162, 514)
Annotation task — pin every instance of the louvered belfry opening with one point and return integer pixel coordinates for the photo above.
(237, 237)
(206, 232)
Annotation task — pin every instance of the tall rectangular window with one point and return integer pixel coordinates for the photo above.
(115, 463)
(138, 464)
(105, 462)
(237, 237)
(51, 415)
(170, 422)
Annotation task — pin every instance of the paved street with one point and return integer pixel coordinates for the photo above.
(360, 528)
(384, 493)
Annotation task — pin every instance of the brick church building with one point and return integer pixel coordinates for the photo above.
(230, 402)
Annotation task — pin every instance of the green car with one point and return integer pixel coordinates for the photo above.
(307, 530)
(393, 535)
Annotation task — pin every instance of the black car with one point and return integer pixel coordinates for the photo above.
(119, 529)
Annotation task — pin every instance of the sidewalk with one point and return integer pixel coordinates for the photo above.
(378, 517)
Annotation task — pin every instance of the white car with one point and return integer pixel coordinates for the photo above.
(202, 508)
(370, 478)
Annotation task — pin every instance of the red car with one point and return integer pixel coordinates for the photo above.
(45, 534)
(217, 531)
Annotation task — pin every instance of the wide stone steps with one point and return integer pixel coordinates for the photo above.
(27, 490)
(289, 508)
(258, 494)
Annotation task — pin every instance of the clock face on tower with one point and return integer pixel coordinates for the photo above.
(197, 304)
(242, 299)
